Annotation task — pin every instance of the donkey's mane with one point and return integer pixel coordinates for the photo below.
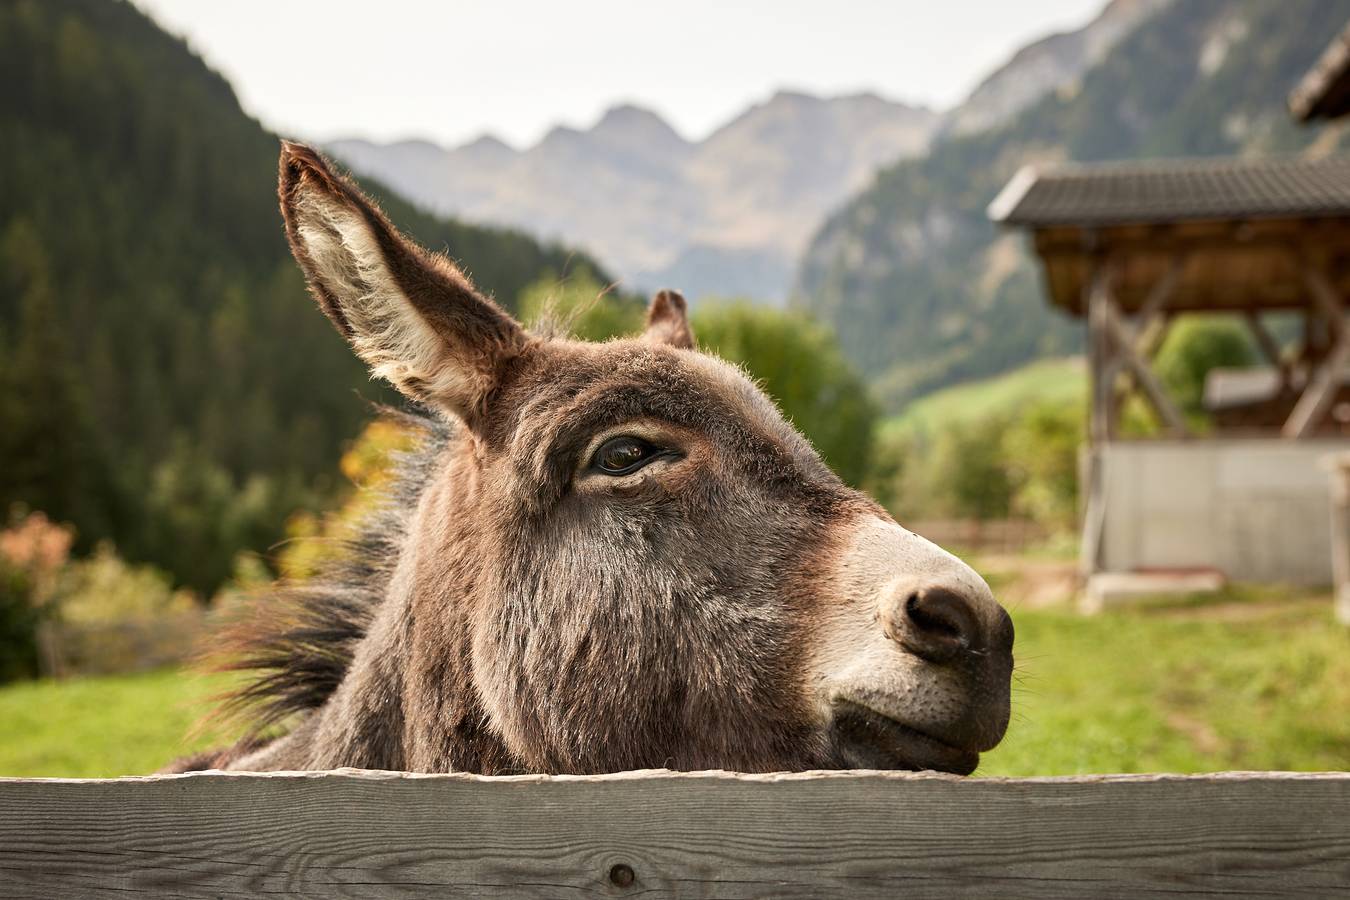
(301, 637)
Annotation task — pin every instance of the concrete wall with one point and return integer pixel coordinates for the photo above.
(1255, 509)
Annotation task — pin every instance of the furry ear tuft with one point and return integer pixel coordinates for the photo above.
(668, 321)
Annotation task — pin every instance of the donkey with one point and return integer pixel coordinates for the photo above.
(601, 557)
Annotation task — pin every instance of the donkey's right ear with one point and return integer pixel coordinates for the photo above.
(411, 315)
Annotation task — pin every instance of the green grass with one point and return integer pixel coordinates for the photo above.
(1052, 380)
(101, 727)
(1245, 684)
(1250, 685)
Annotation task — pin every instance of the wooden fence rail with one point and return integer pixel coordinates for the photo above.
(367, 834)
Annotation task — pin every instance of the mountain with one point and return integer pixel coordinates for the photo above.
(726, 215)
(924, 291)
(165, 382)
(1050, 64)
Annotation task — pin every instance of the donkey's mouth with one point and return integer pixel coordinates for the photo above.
(866, 739)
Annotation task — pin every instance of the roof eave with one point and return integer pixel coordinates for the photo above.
(1003, 208)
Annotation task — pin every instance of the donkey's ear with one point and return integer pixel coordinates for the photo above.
(668, 321)
(411, 315)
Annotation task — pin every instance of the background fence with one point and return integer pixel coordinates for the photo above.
(363, 834)
(981, 535)
(134, 645)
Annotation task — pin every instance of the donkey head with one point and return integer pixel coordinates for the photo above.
(628, 558)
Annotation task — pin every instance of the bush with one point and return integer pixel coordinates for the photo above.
(33, 552)
(1196, 345)
(105, 590)
(972, 467)
(1041, 450)
(1020, 464)
(114, 616)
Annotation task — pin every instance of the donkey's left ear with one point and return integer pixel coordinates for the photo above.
(668, 321)
(411, 315)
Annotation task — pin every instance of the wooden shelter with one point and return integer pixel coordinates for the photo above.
(1130, 247)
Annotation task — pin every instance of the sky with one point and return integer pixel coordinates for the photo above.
(451, 71)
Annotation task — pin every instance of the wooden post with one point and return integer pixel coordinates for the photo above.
(1102, 374)
(1102, 370)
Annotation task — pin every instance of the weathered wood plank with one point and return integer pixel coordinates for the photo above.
(355, 834)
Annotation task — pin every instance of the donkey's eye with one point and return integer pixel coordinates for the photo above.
(623, 455)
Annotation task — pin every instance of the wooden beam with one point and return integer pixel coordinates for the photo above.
(1150, 326)
(1122, 337)
(1325, 381)
(1160, 294)
(857, 834)
(1320, 393)
(1325, 300)
(1270, 348)
(1151, 343)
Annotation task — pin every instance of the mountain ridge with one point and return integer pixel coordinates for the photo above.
(920, 286)
(733, 208)
(729, 213)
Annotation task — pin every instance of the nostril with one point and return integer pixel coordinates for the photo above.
(929, 619)
(940, 624)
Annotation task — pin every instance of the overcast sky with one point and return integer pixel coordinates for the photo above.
(453, 70)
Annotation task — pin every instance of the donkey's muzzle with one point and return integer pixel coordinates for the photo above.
(924, 681)
(947, 626)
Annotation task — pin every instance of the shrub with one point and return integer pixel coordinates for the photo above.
(1196, 345)
(33, 552)
(1041, 450)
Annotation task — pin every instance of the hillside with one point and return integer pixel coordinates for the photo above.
(165, 382)
(923, 290)
(726, 215)
(1062, 382)
(1052, 63)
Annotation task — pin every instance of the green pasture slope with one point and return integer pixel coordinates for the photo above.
(1059, 381)
(1251, 683)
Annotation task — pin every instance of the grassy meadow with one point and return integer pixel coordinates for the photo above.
(1245, 680)
(1059, 381)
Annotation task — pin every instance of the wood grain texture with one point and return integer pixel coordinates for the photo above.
(362, 834)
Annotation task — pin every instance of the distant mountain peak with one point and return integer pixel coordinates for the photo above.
(793, 95)
(488, 143)
(627, 122)
(727, 213)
